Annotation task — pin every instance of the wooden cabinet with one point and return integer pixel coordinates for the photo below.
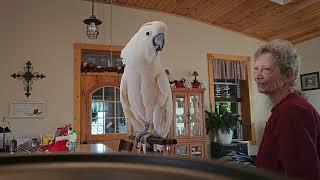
(97, 108)
(188, 122)
(102, 118)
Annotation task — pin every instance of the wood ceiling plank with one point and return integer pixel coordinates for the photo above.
(215, 6)
(279, 13)
(248, 8)
(171, 6)
(139, 3)
(163, 4)
(263, 19)
(186, 7)
(203, 8)
(295, 29)
(224, 9)
(254, 18)
(301, 19)
(144, 4)
(305, 37)
(191, 8)
(152, 4)
(181, 6)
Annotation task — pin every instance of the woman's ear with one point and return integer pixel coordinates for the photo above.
(289, 74)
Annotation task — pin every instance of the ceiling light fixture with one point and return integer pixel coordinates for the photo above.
(281, 2)
(92, 24)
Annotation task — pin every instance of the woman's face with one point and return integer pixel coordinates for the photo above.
(267, 75)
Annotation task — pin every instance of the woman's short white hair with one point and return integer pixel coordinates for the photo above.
(285, 53)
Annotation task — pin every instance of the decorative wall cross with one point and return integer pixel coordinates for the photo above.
(28, 76)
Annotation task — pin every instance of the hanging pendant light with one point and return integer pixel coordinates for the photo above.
(92, 24)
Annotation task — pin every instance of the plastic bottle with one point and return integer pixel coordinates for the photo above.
(13, 145)
(72, 142)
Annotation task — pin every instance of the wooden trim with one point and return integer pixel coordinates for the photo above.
(101, 74)
(192, 143)
(249, 129)
(189, 140)
(102, 137)
(79, 48)
(201, 116)
(253, 127)
(184, 90)
(76, 102)
(211, 85)
(228, 57)
(174, 95)
(97, 47)
(192, 140)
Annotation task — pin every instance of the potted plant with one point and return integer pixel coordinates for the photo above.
(222, 123)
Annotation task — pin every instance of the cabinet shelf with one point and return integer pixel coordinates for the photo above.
(233, 99)
(196, 153)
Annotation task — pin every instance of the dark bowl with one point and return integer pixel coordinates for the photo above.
(118, 166)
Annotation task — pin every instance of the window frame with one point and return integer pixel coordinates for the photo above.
(248, 126)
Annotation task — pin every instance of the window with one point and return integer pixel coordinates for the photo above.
(230, 89)
(227, 96)
(106, 112)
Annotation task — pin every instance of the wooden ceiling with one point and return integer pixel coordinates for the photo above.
(297, 21)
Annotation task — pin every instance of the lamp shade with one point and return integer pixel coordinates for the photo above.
(5, 130)
(92, 24)
(92, 27)
(195, 73)
(167, 72)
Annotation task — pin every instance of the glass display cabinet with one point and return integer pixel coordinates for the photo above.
(188, 122)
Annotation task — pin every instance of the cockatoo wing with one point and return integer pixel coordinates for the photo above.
(162, 116)
(129, 113)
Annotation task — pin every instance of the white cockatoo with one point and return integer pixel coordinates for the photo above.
(145, 92)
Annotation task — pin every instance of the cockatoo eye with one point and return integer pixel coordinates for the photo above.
(148, 33)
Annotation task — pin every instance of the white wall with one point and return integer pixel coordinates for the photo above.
(310, 62)
(43, 32)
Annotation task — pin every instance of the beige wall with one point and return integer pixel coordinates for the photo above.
(310, 62)
(44, 31)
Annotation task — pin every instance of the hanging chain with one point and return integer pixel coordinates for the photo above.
(92, 7)
(110, 30)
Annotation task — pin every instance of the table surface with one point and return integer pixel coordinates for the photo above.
(81, 148)
(93, 148)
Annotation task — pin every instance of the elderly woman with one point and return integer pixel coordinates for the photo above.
(291, 140)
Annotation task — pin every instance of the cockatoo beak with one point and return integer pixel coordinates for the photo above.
(158, 42)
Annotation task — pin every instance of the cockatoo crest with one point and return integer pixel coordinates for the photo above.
(143, 42)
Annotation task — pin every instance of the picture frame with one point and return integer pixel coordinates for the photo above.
(310, 81)
(27, 109)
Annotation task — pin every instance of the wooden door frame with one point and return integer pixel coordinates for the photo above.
(79, 49)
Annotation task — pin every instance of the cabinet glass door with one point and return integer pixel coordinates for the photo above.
(106, 112)
(181, 123)
(196, 151)
(182, 151)
(195, 115)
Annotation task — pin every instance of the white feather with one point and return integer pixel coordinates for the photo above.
(145, 91)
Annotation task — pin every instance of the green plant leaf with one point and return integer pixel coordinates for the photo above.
(223, 120)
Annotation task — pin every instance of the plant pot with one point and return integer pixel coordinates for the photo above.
(225, 137)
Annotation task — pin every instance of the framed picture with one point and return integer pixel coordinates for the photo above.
(26, 109)
(310, 81)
